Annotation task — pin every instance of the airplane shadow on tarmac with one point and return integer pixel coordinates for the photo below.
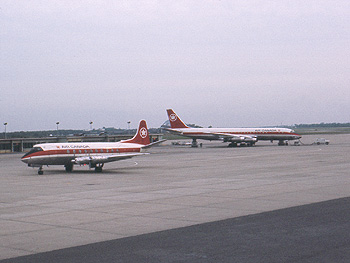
(126, 168)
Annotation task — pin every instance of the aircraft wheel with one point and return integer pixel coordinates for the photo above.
(98, 169)
(40, 171)
(194, 143)
(281, 143)
(69, 168)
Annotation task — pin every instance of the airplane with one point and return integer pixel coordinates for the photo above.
(94, 154)
(235, 136)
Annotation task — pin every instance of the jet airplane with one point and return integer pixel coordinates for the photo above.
(235, 136)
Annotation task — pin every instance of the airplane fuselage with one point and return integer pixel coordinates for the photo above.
(219, 133)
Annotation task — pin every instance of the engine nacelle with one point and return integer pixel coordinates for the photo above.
(90, 160)
(248, 139)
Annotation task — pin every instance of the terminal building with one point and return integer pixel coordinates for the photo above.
(12, 145)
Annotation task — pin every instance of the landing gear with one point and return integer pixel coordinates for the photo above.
(98, 168)
(40, 171)
(69, 167)
(232, 144)
(194, 143)
(282, 143)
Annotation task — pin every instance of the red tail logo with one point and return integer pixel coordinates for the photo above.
(141, 136)
(175, 121)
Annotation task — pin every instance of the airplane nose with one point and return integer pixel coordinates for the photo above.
(25, 160)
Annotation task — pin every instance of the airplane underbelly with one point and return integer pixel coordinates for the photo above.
(201, 136)
(274, 137)
(61, 160)
(50, 160)
(37, 160)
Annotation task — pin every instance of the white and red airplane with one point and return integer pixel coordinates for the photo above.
(247, 136)
(95, 154)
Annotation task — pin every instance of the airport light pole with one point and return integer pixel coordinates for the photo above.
(91, 124)
(57, 123)
(128, 125)
(5, 124)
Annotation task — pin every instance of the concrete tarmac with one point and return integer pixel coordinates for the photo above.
(312, 233)
(171, 188)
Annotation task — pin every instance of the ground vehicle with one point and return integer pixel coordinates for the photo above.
(319, 141)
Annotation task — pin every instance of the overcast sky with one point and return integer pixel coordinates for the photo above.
(222, 63)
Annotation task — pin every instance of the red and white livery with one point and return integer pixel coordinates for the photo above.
(94, 154)
(247, 136)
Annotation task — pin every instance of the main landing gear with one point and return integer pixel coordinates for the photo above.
(40, 171)
(98, 167)
(282, 143)
(69, 167)
(194, 143)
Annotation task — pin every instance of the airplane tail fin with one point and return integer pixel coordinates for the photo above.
(141, 136)
(175, 121)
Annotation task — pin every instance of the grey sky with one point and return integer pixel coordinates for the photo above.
(220, 63)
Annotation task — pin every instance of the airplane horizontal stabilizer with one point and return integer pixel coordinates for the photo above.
(153, 143)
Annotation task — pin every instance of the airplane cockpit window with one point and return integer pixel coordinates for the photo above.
(33, 150)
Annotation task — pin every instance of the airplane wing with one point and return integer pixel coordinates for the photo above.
(234, 137)
(95, 159)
